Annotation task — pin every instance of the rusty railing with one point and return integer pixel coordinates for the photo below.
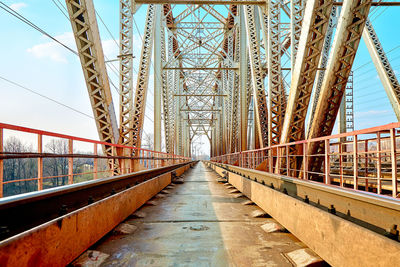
(366, 160)
(124, 160)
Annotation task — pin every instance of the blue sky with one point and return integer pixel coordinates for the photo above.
(33, 60)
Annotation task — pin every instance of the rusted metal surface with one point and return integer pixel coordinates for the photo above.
(22, 212)
(198, 223)
(330, 236)
(58, 242)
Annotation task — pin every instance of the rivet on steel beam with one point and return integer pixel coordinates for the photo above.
(307, 200)
(332, 209)
(91, 200)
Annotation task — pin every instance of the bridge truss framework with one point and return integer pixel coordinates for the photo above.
(245, 74)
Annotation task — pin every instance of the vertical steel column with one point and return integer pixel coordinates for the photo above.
(157, 79)
(260, 103)
(243, 80)
(346, 114)
(235, 95)
(168, 97)
(179, 114)
(126, 74)
(275, 95)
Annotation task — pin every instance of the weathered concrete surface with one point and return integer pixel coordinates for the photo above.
(199, 223)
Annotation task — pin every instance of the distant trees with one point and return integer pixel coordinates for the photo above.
(148, 141)
(27, 168)
(18, 169)
(56, 166)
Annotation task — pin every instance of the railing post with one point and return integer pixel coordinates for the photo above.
(270, 160)
(287, 161)
(278, 160)
(394, 161)
(327, 163)
(122, 161)
(113, 161)
(341, 163)
(379, 162)
(355, 162)
(40, 162)
(1, 163)
(305, 171)
(95, 162)
(70, 162)
(366, 164)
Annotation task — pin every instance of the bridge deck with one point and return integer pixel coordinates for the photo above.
(198, 223)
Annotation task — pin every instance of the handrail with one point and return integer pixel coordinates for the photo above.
(127, 163)
(368, 164)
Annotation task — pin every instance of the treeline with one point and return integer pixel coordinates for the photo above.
(27, 168)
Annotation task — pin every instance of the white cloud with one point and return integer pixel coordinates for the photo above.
(18, 6)
(52, 50)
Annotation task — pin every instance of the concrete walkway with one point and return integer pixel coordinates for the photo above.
(198, 223)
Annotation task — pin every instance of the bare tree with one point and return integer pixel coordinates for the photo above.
(148, 141)
(18, 169)
(56, 166)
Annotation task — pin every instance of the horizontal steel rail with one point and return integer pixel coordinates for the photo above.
(22, 212)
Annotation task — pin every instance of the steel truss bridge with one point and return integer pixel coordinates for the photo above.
(265, 82)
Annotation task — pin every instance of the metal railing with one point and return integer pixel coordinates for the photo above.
(126, 160)
(366, 160)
